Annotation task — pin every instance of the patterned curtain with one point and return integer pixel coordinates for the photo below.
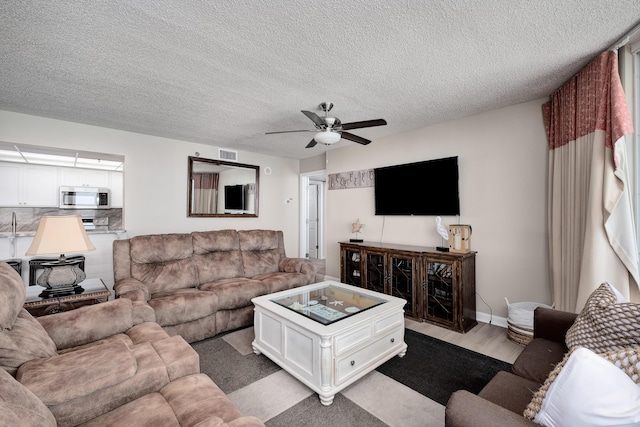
(591, 226)
(205, 193)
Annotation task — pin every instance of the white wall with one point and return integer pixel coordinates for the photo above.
(503, 174)
(502, 157)
(155, 176)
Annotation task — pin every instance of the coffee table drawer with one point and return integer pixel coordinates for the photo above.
(350, 365)
(353, 338)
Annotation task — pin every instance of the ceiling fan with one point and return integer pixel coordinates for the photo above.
(330, 130)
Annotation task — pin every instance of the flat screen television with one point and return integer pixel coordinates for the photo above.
(423, 188)
(234, 197)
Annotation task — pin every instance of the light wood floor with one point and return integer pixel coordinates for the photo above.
(487, 339)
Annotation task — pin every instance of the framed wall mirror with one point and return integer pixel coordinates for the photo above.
(222, 189)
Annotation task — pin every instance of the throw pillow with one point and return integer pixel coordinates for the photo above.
(586, 390)
(627, 360)
(606, 323)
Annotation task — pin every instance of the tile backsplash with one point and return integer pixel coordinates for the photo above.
(27, 219)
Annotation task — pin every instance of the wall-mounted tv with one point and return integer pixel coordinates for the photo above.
(234, 197)
(423, 188)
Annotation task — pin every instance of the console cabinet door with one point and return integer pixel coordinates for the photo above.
(351, 266)
(376, 271)
(403, 279)
(440, 291)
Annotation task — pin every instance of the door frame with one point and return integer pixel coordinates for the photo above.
(305, 178)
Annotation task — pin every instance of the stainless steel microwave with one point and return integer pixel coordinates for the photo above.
(84, 198)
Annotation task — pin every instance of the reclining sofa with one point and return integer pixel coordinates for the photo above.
(201, 284)
(101, 365)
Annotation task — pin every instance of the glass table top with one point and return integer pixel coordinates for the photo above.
(328, 304)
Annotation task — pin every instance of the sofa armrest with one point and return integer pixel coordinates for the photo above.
(89, 323)
(465, 409)
(68, 376)
(552, 324)
(132, 289)
(245, 421)
(298, 265)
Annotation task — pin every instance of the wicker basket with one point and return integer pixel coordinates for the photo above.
(520, 321)
(519, 334)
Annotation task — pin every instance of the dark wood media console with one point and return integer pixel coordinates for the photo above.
(440, 287)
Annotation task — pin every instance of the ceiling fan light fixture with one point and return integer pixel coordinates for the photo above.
(327, 137)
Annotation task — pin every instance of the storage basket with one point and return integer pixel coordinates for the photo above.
(520, 321)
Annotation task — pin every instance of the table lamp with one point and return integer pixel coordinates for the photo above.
(60, 235)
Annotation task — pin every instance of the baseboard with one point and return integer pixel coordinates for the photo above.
(493, 320)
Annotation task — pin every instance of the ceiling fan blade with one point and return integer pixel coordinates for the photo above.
(315, 118)
(311, 144)
(355, 138)
(290, 131)
(364, 124)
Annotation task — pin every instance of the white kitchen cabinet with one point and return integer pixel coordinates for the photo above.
(28, 185)
(84, 177)
(117, 189)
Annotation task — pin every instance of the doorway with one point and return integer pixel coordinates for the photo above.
(312, 189)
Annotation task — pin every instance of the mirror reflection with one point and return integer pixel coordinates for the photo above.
(220, 189)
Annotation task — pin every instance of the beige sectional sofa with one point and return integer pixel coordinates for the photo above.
(201, 284)
(101, 365)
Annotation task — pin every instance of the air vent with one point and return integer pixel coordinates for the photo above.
(228, 155)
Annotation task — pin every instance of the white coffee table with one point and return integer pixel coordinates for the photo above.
(328, 334)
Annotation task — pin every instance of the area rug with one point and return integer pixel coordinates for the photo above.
(432, 369)
(436, 369)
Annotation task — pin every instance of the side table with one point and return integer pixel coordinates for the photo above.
(95, 291)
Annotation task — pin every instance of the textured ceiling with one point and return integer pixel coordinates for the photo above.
(225, 72)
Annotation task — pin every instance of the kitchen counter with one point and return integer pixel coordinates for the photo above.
(6, 235)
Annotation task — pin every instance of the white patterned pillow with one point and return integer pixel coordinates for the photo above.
(585, 390)
(606, 323)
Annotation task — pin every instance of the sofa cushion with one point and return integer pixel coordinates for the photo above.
(163, 262)
(88, 324)
(258, 240)
(538, 358)
(146, 332)
(234, 293)
(150, 376)
(159, 248)
(13, 291)
(509, 391)
(26, 340)
(586, 390)
(218, 265)
(182, 305)
(605, 323)
(190, 401)
(217, 255)
(215, 241)
(280, 281)
(166, 276)
(195, 398)
(261, 252)
(68, 376)
(148, 410)
(178, 356)
(20, 407)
